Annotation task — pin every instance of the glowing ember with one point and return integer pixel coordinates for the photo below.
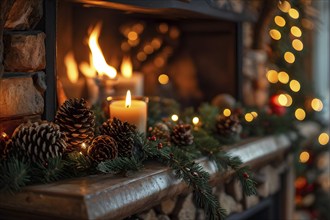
(71, 67)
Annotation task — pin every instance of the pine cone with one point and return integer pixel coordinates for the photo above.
(181, 135)
(103, 148)
(228, 126)
(123, 133)
(161, 131)
(39, 141)
(4, 139)
(77, 122)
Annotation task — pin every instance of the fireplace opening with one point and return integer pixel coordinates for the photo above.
(192, 59)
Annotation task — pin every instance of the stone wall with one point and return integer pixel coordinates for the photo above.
(22, 63)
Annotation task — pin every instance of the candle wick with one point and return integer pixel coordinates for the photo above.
(127, 106)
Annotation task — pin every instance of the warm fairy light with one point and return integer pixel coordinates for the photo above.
(4, 135)
(132, 35)
(295, 31)
(317, 105)
(226, 112)
(138, 27)
(283, 77)
(98, 59)
(289, 100)
(289, 57)
(148, 49)
(282, 100)
(294, 85)
(300, 182)
(195, 120)
(156, 43)
(175, 117)
(255, 114)
(275, 34)
(141, 56)
(163, 79)
(80, 153)
(248, 117)
(71, 67)
(174, 33)
(126, 67)
(323, 138)
(133, 43)
(128, 101)
(300, 114)
(159, 61)
(163, 28)
(304, 157)
(284, 6)
(272, 76)
(297, 45)
(125, 46)
(294, 13)
(83, 146)
(279, 20)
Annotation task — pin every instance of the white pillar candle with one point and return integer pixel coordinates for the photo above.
(131, 111)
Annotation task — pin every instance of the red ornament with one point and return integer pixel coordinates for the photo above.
(160, 146)
(152, 138)
(246, 175)
(275, 107)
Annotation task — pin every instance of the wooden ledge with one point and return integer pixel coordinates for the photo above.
(112, 197)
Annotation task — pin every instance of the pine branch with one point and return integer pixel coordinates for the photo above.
(120, 165)
(15, 174)
(79, 165)
(50, 172)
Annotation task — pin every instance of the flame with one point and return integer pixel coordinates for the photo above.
(98, 61)
(128, 99)
(87, 69)
(71, 67)
(126, 67)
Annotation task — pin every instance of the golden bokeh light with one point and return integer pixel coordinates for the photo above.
(156, 43)
(195, 120)
(317, 105)
(323, 138)
(275, 34)
(289, 57)
(282, 100)
(248, 117)
(294, 85)
(294, 13)
(141, 56)
(297, 45)
(163, 79)
(226, 112)
(283, 77)
(289, 100)
(295, 31)
(159, 61)
(163, 28)
(280, 21)
(272, 76)
(304, 157)
(175, 117)
(255, 114)
(132, 35)
(284, 6)
(300, 114)
(148, 49)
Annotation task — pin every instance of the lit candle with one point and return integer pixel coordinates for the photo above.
(131, 111)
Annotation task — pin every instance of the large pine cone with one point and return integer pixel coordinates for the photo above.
(181, 135)
(39, 141)
(123, 133)
(77, 122)
(161, 131)
(103, 148)
(228, 126)
(4, 139)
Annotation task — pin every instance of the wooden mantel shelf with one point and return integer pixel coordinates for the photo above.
(113, 197)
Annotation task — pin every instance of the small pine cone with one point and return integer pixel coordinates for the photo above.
(228, 126)
(103, 148)
(181, 135)
(77, 122)
(4, 139)
(161, 131)
(123, 133)
(39, 141)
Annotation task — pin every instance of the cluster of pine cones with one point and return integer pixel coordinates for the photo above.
(73, 129)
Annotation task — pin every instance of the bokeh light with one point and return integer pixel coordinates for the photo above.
(255, 114)
(323, 138)
(275, 34)
(248, 117)
(295, 31)
(317, 105)
(175, 117)
(195, 120)
(297, 45)
(289, 57)
(294, 85)
(282, 100)
(283, 77)
(304, 157)
(284, 6)
(272, 76)
(163, 79)
(300, 114)
(289, 100)
(294, 13)
(226, 112)
(280, 21)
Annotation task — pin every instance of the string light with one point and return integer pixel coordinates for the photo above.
(294, 85)
(175, 117)
(283, 77)
(289, 100)
(163, 79)
(132, 35)
(300, 114)
(295, 31)
(226, 112)
(275, 34)
(282, 100)
(289, 57)
(284, 6)
(279, 20)
(323, 138)
(304, 157)
(195, 120)
(317, 105)
(255, 114)
(248, 117)
(272, 76)
(297, 45)
(294, 13)
(83, 146)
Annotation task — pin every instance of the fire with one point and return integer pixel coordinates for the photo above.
(98, 61)
(71, 67)
(128, 99)
(126, 67)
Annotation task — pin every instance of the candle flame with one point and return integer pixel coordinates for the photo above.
(126, 67)
(71, 67)
(98, 60)
(128, 99)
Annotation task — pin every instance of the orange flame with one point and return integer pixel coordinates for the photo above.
(128, 99)
(126, 67)
(71, 67)
(98, 61)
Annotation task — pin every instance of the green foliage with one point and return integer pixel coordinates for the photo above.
(208, 114)
(78, 164)
(52, 171)
(120, 165)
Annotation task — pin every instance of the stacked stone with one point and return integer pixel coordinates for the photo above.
(22, 62)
